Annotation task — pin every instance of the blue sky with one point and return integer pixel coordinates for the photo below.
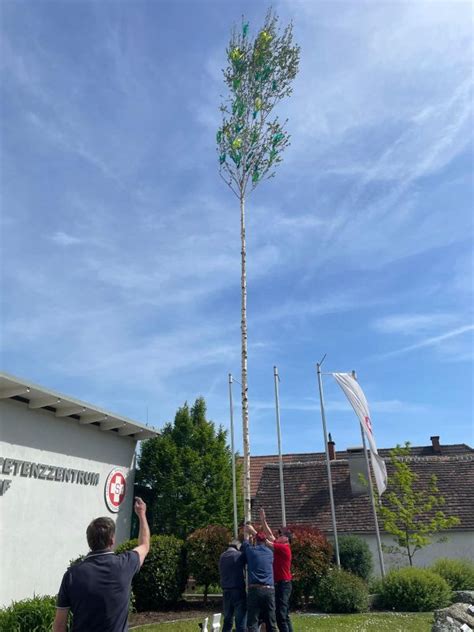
(121, 245)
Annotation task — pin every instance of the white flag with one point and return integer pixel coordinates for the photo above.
(356, 397)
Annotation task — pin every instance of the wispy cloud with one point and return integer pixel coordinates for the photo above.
(434, 341)
(391, 406)
(64, 239)
(408, 324)
(109, 156)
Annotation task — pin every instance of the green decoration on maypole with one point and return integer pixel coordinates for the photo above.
(251, 141)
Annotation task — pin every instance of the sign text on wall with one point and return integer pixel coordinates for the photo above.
(41, 471)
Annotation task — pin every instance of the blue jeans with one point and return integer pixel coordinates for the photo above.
(282, 605)
(261, 606)
(235, 605)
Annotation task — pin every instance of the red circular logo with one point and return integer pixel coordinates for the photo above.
(115, 487)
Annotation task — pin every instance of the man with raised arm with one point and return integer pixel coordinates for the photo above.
(97, 589)
(260, 588)
(281, 572)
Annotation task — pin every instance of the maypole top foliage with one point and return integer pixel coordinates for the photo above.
(259, 73)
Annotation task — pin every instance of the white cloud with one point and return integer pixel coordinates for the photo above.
(434, 341)
(64, 239)
(390, 406)
(408, 324)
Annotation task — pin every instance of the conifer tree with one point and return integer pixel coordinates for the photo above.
(188, 470)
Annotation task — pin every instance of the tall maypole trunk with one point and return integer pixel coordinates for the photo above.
(245, 401)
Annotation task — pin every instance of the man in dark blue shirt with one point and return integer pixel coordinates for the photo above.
(97, 589)
(261, 589)
(231, 571)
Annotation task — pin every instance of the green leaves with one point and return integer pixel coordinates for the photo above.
(189, 470)
(409, 513)
(259, 74)
(204, 547)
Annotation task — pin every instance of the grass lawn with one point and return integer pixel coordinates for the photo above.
(345, 623)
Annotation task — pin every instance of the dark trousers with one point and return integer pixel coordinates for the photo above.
(282, 605)
(235, 605)
(261, 605)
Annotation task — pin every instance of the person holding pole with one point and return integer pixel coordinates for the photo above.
(261, 587)
(281, 571)
(231, 571)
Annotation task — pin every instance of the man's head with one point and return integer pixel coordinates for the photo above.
(101, 534)
(234, 544)
(284, 536)
(260, 537)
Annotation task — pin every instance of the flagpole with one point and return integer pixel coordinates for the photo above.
(276, 378)
(234, 483)
(371, 494)
(328, 463)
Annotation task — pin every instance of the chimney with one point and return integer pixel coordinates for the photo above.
(358, 471)
(331, 449)
(435, 444)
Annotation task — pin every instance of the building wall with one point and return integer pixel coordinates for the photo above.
(43, 522)
(459, 545)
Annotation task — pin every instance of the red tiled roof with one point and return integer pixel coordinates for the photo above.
(257, 463)
(307, 495)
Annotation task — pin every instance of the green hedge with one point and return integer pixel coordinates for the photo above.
(458, 573)
(414, 590)
(340, 591)
(29, 615)
(162, 578)
(355, 556)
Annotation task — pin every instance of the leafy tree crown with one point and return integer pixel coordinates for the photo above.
(259, 74)
(411, 513)
(188, 472)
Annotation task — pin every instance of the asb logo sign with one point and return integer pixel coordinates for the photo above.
(115, 487)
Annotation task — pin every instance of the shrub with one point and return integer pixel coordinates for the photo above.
(355, 556)
(29, 615)
(162, 579)
(414, 590)
(458, 573)
(312, 553)
(341, 591)
(203, 549)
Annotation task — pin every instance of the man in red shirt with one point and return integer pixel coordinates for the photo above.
(281, 572)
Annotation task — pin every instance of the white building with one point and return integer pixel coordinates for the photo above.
(63, 462)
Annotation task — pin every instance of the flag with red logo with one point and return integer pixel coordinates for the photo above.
(357, 399)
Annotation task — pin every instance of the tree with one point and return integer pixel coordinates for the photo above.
(250, 143)
(204, 548)
(410, 514)
(311, 560)
(188, 470)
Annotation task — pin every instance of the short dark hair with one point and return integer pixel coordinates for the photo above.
(286, 533)
(100, 533)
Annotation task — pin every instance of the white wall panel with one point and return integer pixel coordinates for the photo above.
(43, 522)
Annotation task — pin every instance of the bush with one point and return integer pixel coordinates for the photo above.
(341, 591)
(203, 549)
(458, 573)
(414, 590)
(355, 556)
(311, 553)
(29, 615)
(162, 579)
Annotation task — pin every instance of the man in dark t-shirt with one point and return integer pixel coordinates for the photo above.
(231, 572)
(97, 589)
